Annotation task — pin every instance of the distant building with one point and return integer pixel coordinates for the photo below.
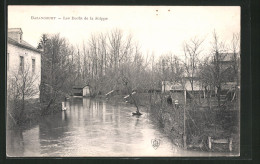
(196, 85)
(21, 55)
(226, 59)
(227, 62)
(81, 90)
(168, 86)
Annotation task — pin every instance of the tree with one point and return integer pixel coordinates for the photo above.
(134, 76)
(235, 48)
(22, 86)
(219, 52)
(206, 78)
(192, 49)
(56, 70)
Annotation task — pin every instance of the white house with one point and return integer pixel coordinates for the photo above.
(171, 86)
(21, 56)
(81, 90)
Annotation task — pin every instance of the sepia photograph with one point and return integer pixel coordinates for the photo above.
(123, 81)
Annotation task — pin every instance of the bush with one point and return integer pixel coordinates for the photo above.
(200, 124)
(18, 117)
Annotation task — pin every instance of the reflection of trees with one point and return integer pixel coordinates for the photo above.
(14, 142)
(104, 112)
(86, 103)
(53, 127)
(64, 116)
(137, 122)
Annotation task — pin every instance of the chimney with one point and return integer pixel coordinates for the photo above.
(16, 34)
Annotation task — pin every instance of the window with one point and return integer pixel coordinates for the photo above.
(21, 63)
(33, 65)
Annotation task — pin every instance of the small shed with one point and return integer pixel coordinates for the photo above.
(81, 90)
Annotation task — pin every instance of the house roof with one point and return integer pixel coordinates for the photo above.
(20, 43)
(23, 44)
(80, 86)
(226, 57)
(15, 30)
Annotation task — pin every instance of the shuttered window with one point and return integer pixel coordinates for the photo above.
(33, 65)
(21, 63)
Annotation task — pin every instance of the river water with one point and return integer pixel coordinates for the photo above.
(94, 128)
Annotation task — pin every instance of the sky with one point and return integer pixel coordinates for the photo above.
(158, 29)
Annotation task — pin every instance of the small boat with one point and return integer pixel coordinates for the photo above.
(109, 92)
(137, 114)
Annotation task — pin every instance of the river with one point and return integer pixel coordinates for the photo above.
(95, 128)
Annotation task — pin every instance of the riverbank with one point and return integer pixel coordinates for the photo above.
(93, 127)
(200, 123)
(32, 114)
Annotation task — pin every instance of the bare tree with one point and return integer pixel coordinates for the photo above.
(219, 52)
(192, 49)
(134, 77)
(207, 79)
(22, 86)
(235, 48)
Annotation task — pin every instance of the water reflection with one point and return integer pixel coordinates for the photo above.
(15, 144)
(23, 143)
(92, 128)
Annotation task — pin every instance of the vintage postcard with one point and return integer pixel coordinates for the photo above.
(123, 81)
